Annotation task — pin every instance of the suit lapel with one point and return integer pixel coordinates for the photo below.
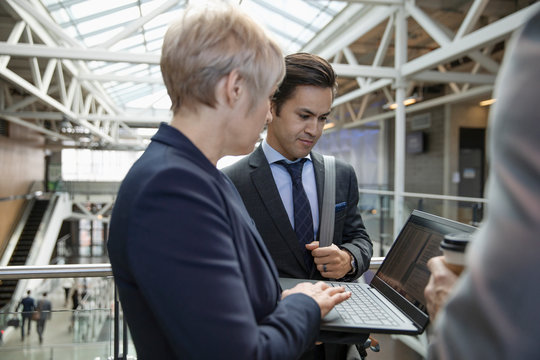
(266, 187)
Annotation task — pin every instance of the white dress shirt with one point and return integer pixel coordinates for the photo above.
(284, 184)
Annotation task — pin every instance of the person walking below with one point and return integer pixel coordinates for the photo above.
(44, 308)
(75, 305)
(28, 307)
(67, 284)
(75, 299)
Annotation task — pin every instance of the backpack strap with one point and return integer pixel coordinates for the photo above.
(329, 202)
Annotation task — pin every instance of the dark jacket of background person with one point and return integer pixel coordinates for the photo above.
(185, 223)
(254, 180)
(75, 299)
(27, 304)
(493, 313)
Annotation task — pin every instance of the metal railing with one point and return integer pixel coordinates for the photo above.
(74, 271)
(55, 271)
(93, 270)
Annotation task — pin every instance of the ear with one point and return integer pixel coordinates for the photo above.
(273, 109)
(234, 87)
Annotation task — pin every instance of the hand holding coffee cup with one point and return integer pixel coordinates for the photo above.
(453, 247)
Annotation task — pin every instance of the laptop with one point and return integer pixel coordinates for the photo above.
(393, 301)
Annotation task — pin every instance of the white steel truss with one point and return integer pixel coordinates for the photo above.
(59, 96)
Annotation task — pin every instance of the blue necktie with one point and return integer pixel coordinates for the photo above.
(303, 221)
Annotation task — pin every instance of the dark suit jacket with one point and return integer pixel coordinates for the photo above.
(194, 277)
(28, 305)
(253, 179)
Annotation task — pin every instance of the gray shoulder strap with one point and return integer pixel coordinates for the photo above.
(329, 202)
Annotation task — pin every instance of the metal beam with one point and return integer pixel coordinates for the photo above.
(427, 24)
(52, 52)
(370, 2)
(34, 127)
(359, 28)
(471, 18)
(424, 105)
(52, 27)
(338, 23)
(22, 83)
(130, 119)
(361, 92)
(348, 70)
(43, 32)
(475, 40)
(119, 78)
(351, 59)
(457, 77)
(400, 57)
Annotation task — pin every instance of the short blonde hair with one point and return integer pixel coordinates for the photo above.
(207, 44)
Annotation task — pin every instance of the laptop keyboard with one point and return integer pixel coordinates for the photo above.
(362, 309)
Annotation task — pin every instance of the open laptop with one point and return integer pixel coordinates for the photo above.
(397, 289)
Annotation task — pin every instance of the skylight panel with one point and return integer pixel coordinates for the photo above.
(130, 42)
(154, 34)
(72, 32)
(86, 8)
(111, 67)
(61, 16)
(164, 19)
(292, 23)
(125, 15)
(132, 69)
(157, 100)
(297, 7)
(96, 40)
(155, 46)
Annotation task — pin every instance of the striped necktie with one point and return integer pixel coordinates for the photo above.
(303, 220)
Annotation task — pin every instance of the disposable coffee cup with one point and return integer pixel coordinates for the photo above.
(453, 247)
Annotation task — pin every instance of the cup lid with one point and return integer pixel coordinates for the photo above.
(456, 241)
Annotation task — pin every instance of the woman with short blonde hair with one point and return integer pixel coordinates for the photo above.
(194, 278)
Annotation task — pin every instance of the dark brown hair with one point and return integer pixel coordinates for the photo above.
(304, 69)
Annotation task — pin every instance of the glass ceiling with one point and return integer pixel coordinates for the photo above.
(95, 22)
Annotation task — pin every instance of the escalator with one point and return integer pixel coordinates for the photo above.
(22, 249)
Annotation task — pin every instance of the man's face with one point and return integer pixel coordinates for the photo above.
(299, 125)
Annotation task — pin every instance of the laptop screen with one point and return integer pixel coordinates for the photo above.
(405, 267)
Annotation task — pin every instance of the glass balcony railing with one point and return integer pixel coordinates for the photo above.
(377, 208)
(87, 324)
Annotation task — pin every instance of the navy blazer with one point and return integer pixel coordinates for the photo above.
(194, 277)
(255, 183)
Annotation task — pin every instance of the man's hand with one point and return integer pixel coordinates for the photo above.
(325, 296)
(440, 285)
(331, 261)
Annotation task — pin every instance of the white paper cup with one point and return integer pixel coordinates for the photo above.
(453, 247)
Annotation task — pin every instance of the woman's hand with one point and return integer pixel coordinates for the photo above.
(325, 296)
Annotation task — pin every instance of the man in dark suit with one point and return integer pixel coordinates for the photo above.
(299, 109)
(28, 305)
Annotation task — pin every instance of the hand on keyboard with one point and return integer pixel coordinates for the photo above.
(324, 295)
